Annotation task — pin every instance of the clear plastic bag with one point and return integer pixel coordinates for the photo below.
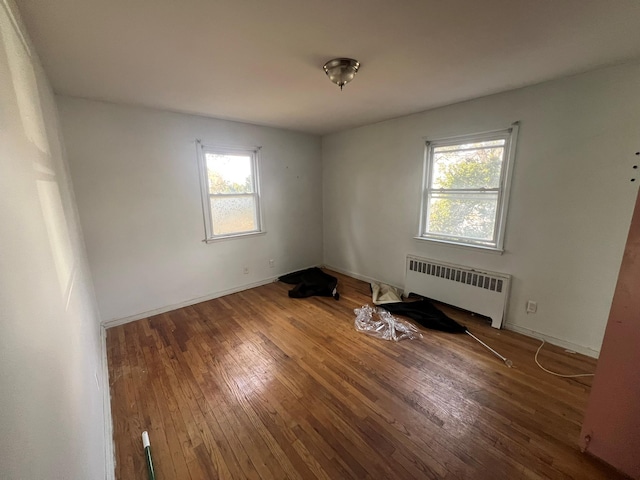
(379, 323)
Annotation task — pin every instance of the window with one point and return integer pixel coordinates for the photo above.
(230, 193)
(466, 188)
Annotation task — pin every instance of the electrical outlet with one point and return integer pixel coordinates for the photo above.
(532, 307)
(246, 270)
(272, 263)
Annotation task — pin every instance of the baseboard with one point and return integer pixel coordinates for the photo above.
(132, 318)
(357, 276)
(109, 447)
(507, 326)
(589, 352)
(121, 321)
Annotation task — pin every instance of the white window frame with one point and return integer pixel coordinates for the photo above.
(254, 154)
(497, 242)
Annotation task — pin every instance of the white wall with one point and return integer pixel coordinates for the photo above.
(136, 181)
(51, 409)
(570, 207)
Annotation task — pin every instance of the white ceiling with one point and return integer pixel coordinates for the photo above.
(260, 61)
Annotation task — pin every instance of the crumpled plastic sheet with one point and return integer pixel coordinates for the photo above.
(379, 323)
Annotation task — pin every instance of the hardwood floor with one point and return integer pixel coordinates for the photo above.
(258, 385)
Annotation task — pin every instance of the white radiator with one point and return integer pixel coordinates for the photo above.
(480, 292)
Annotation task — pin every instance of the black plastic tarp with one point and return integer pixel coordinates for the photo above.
(426, 314)
(311, 282)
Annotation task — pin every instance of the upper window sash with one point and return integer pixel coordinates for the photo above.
(497, 242)
(464, 190)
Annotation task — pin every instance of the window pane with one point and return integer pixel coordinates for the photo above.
(463, 215)
(233, 214)
(229, 173)
(467, 168)
(464, 146)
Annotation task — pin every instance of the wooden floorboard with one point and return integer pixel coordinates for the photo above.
(256, 385)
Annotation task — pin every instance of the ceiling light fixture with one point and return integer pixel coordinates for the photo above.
(341, 70)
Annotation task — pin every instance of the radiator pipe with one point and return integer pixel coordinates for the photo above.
(506, 361)
(147, 452)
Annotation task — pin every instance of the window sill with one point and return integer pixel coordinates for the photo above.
(231, 237)
(466, 246)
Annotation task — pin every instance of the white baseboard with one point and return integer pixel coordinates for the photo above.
(507, 326)
(132, 318)
(357, 276)
(109, 447)
(589, 352)
(121, 321)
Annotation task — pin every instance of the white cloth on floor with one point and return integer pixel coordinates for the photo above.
(383, 293)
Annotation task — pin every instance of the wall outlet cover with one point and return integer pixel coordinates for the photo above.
(532, 307)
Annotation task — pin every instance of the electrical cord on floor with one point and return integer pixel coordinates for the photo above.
(559, 374)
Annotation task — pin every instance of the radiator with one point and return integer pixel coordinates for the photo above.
(485, 293)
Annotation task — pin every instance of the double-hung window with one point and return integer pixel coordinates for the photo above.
(466, 189)
(230, 192)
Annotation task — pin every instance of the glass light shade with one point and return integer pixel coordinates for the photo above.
(341, 70)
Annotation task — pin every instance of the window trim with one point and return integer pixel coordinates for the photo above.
(254, 154)
(497, 243)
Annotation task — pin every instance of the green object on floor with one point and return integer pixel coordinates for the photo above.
(147, 452)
